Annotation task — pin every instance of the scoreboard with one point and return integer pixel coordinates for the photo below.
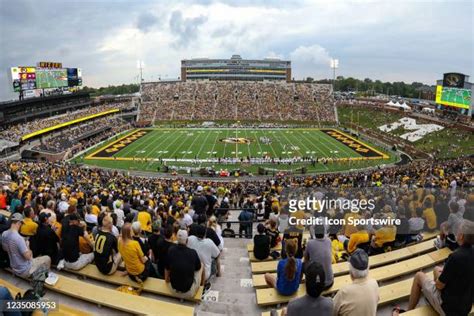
(23, 78)
(46, 75)
(454, 91)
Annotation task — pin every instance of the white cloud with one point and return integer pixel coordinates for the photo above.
(310, 60)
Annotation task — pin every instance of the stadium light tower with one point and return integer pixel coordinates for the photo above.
(334, 66)
(141, 65)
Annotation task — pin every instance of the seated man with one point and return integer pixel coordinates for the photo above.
(207, 251)
(362, 296)
(29, 227)
(312, 303)
(183, 269)
(320, 250)
(451, 291)
(73, 258)
(106, 255)
(21, 258)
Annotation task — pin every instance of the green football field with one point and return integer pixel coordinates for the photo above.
(231, 149)
(457, 96)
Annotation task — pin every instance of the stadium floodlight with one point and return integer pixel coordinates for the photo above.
(334, 66)
(140, 65)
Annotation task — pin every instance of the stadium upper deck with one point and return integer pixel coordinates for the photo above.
(236, 68)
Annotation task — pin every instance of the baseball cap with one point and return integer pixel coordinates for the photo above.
(16, 217)
(199, 188)
(182, 236)
(359, 259)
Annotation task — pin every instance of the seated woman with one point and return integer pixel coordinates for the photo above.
(138, 266)
(289, 272)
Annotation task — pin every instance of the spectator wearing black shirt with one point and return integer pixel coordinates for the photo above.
(73, 258)
(452, 290)
(160, 251)
(106, 255)
(199, 204)
(211, 202)
(46, 240)
(154, 239)
(273, 233)
(261, 243)
(293, 232)
(183, 271)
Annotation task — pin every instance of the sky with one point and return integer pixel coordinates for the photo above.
(390, 40)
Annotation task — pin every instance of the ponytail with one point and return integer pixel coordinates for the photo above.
(290, 266)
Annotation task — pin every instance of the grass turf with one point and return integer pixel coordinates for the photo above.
(181, 146)
(449, 142)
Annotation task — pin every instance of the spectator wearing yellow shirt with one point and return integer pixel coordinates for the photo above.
(361, 236)
(145, 220)
(382, 237)
(429, 215)
(138, 266)
(29, 227)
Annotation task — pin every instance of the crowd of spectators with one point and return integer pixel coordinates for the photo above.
(85, 135)
(236, 100)
(168, 228)
(16, 131)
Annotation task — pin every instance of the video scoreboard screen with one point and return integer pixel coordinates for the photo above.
(51, 78)
(457, 97)
(74, 77)
(45, 75)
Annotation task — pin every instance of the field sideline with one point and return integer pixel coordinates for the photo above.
(147, 149)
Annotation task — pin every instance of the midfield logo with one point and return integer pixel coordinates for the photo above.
(235, 140)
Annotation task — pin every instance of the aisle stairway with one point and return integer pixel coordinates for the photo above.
(233, 297)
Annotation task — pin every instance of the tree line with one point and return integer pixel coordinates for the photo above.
(113, 90)
(371, 87)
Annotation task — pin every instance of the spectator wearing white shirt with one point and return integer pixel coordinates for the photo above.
(208, 253)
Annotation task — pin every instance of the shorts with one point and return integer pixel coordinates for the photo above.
(433, 295)
(37, 263)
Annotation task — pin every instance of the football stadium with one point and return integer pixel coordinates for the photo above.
(248, 185)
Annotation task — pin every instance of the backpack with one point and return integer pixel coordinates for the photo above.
(37, 281)
(29, 295)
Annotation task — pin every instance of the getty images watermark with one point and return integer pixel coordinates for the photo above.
(344, 205)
